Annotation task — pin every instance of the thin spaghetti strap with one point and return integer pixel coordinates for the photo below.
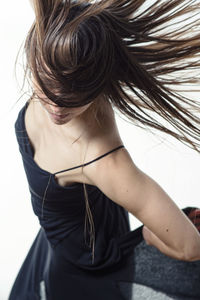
(121, 146)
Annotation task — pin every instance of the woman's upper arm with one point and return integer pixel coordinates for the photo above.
(123, 182)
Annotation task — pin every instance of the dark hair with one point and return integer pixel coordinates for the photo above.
(78, 51)
(125, 52)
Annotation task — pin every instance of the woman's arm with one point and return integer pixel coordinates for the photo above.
(152, 240)
(120, 180)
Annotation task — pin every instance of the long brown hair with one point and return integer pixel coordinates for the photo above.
(130, 53)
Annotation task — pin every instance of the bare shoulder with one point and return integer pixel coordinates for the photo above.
(104, 137)
(117, 176)
(31, 123)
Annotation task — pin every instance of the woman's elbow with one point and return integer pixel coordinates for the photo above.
(192, 254)
(188, 252)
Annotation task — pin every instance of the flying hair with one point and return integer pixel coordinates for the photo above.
(139, 57)
(134, 57)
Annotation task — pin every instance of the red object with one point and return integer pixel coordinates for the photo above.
(194, 216)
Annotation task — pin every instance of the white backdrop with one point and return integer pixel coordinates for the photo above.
(175, 167)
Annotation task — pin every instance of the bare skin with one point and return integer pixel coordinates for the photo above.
(71, 141)
(116, 175)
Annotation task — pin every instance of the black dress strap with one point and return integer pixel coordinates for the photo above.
(121, 146)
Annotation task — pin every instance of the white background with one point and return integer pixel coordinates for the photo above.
(175, 167)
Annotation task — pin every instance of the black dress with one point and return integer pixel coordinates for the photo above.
(59, 263)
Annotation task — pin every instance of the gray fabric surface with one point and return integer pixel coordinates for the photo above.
(137, 291)
(162, 273)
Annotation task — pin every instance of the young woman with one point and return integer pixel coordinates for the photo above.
(85, 59)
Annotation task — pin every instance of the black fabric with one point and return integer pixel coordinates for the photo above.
(59, 264)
